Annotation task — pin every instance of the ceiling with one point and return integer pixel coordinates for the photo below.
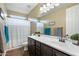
(26, 8)
(23, 8)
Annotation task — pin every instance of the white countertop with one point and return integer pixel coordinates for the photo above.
(53, 41)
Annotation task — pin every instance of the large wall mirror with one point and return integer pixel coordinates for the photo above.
(72, 20)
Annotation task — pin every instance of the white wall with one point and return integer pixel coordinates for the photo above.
(72, 20)
(2, 5)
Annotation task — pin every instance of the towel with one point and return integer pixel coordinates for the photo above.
(6, 35)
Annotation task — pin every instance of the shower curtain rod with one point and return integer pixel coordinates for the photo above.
(16, 18)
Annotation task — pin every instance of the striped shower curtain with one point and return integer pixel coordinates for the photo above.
(16, 34)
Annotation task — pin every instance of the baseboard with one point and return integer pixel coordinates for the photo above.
(14, 48)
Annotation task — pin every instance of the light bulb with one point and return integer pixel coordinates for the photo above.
(56, 4)
(41, 8)
(52, 6)
(44, 11)
(48, 8)
(44, 6)
(48, 4)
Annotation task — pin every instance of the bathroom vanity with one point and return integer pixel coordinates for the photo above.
(50, 46)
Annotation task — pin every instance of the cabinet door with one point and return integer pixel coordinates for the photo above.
(31, 46)
(38, 48)
(58, 53)
(46, 50)
(29, 43)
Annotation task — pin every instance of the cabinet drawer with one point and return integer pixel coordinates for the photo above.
(46, 50)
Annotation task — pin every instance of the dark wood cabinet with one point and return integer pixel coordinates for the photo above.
(46, 50)
(31, 46)
(36, 48)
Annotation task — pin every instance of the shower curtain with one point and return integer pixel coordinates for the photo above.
(16, 32)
